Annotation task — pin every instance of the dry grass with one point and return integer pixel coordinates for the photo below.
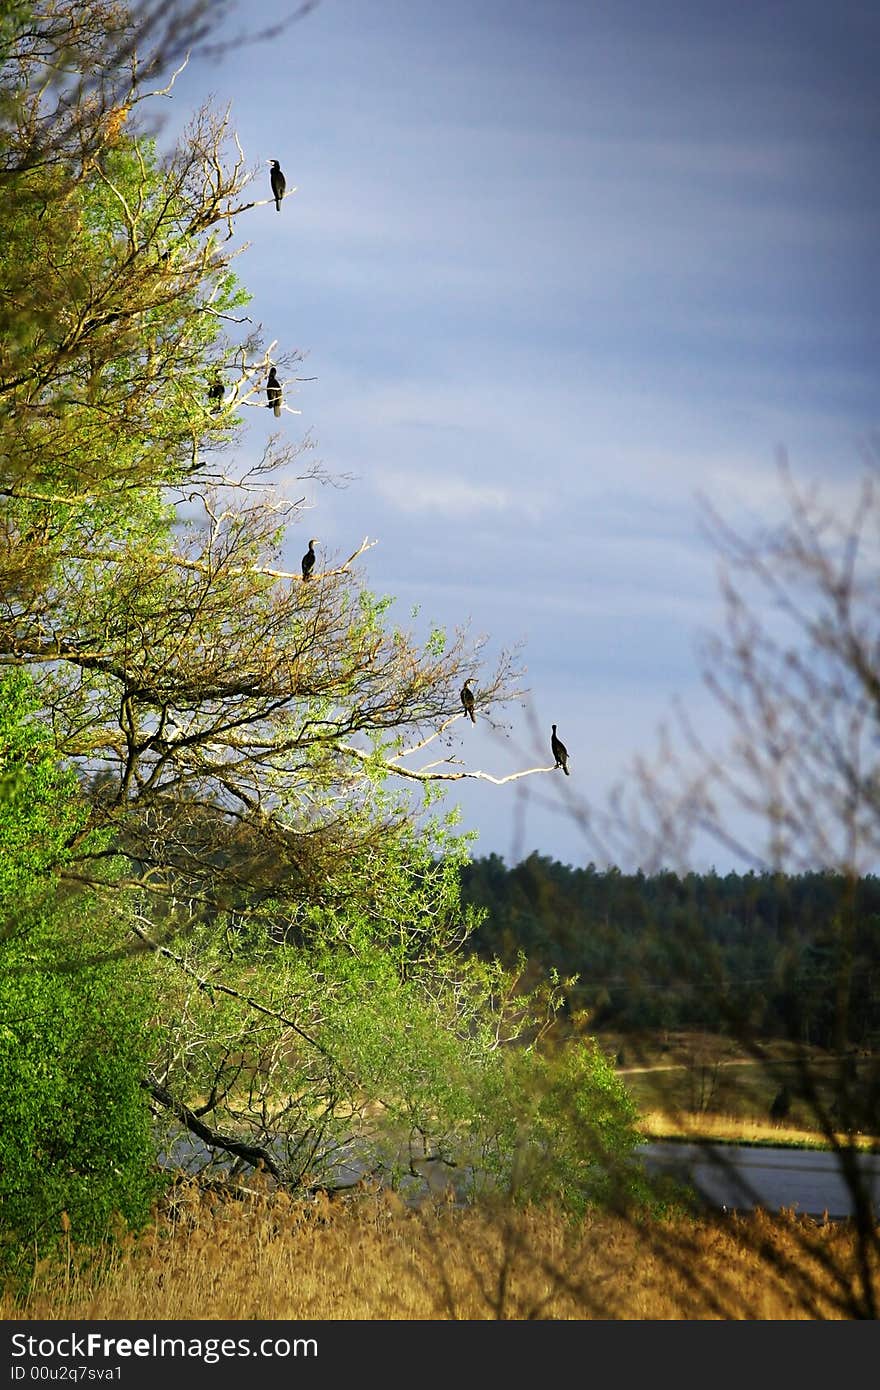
(735, 1129)
(265, 1256)
(691, 1085)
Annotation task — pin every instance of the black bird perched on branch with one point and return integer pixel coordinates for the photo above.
(273, 391)
(308, 560)
(467, 699)
(279, 183)
(559, 751)
(215, 392)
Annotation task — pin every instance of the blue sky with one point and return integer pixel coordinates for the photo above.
(558, 268)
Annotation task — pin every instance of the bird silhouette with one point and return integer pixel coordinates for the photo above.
(215, 392)
(781, 1104)
(308, 560)
(467, 699)
(559, 751)
(273, 391)
(279, 183)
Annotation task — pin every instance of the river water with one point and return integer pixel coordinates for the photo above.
(742, 1177)
(731, 1177)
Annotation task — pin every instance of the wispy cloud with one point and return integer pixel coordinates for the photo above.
(453, 497)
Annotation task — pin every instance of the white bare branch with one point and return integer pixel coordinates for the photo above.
(426, 773)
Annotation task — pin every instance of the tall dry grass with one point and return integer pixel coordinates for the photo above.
(263, 1255)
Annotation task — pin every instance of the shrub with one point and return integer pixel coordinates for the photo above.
(74, 1122)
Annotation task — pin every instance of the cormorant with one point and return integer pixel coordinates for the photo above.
(215, 392)
(279, 183)
(308, 560)
(559, 751)
(273, 391)
(781, 1104)
(467, 699)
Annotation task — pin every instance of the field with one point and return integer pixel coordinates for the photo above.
(703, 1085)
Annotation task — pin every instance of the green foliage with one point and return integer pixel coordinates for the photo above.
(39, 813)
(462, 1105)
(74, 1126)
(557, 1127)
(388, 1046)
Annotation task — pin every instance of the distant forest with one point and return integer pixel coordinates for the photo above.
(782, 956)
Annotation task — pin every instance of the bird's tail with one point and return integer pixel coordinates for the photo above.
(277, 408)
(277, 204)
(565, 769)
(473, 716)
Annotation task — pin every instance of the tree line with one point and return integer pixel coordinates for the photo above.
(768, 952)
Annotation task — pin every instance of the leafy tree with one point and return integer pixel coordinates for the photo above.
(404, 1056)
(240, 730)
(214, 693)
(75, 1140)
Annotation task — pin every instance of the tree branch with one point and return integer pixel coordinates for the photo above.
(210, 986)
(255, 1154)
(426, 775)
